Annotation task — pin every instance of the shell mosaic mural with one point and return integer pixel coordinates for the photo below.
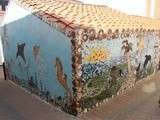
(76, 61)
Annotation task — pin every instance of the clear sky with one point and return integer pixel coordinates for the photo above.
(136, 7)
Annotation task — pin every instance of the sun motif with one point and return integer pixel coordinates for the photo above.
(97, 55)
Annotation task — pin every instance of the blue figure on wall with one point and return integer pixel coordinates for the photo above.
(20, 51)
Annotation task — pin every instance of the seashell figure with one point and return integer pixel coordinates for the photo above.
(36, 51)
(92, 34)
(101, 35)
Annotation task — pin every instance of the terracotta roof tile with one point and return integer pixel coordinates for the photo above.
(84, 15)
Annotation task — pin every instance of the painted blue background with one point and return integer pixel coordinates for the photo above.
(32, 31)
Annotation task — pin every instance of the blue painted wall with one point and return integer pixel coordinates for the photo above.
(22, 27)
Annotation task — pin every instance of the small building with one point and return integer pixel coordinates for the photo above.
(77, 55)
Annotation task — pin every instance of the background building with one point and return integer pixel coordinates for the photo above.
(149, 8)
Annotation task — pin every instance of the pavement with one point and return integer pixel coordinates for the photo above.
(139, 103)
(17, 104)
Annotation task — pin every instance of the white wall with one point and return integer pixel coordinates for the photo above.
(13, 15)
(132, 7)
(1, 53)
(7, 19)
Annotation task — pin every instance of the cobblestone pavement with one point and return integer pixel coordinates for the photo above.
(139, 103)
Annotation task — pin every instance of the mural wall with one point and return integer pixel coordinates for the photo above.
(109, 65)
(44, 60)
(37, 56)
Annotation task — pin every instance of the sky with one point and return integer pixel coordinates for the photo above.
(132, 7)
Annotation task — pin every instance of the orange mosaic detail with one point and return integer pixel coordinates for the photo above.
(97, 55)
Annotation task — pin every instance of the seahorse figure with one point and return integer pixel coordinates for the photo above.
(61, 76)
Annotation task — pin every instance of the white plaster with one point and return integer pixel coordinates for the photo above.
(132, 7)
(1, 52)
(14, 13)
(152, 7)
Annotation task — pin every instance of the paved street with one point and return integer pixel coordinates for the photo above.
(16, 104)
